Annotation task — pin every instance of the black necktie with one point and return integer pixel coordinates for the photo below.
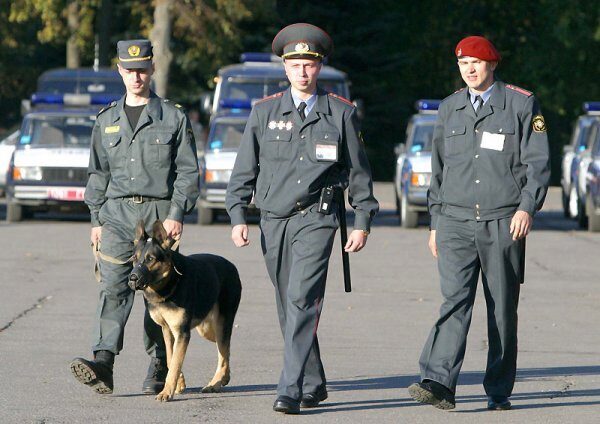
(301, 108)
(478, 104)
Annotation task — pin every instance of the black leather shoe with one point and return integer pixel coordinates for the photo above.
(498, 403)
(287, 405)
(97, 375)
(311, 400)
(157, 374)
(432, 393)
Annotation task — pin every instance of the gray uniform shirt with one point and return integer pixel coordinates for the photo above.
(287, 162)
(488, 166)
(157, 159)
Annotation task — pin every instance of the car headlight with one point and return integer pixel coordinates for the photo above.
(27, 173)
(420, 179)
(217, 175)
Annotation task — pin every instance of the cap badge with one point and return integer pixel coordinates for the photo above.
(272, 125)
(301, 47)
(133, 51)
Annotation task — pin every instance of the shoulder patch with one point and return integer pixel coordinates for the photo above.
(271, 97)
(340, 98)
(459, 90)
(538, 123)
(105, 108)
(519, 90)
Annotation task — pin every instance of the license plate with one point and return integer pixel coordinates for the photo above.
(68, 194)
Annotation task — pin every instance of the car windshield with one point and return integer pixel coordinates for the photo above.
(82, 86)
(226, 136)
(72, 131)
(257, 89)
(423, 134)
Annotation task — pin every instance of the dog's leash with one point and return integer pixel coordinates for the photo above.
(98, 255)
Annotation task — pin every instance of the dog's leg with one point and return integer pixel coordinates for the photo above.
(179, 348)
(223, 338)
(169, 341)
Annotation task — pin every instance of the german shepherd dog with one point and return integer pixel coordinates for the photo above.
(185, 292)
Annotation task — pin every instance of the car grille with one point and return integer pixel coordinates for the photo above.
(64, 175)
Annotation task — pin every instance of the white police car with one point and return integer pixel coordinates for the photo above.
(48, 169)
(413, 164)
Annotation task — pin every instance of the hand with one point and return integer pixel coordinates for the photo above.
(95, 236)
(356, 241)
(239, 235)
(432, 244)
(520, 225)
(173, 228)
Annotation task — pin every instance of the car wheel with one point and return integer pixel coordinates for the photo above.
(565, 203)
(397, 198)
(593, 217)
(573, 203)
(408, 218)
(205, 215)
(14, 212)
(582, 217)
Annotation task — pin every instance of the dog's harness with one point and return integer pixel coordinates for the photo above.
(98, 255)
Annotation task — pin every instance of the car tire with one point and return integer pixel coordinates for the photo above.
(573, 203)
(582, 217)
(408, 218)
(565, 204)
(397, 198)
(205, 215)
(14, 212)
(593, 217)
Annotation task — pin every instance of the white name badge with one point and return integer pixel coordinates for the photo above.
(327, 152)
(492, 141)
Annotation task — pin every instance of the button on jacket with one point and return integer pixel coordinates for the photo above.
(157, 159)
(510, 171)
(289, 161)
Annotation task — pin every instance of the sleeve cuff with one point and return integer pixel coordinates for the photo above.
(95, 219)
(433, 223)
(175, 213)
(237, 216)
(362, 221)
(527, 204)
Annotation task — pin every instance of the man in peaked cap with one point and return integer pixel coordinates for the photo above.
(142, 166)
(299, 146)
(490, 174)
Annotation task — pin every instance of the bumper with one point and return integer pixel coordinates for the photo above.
(417, 200)
(46, 195)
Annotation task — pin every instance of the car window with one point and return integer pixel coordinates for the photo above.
(257, 89)
(226, 136)
(57, 132)
(596, 140)
(421, 142)
(83, 86)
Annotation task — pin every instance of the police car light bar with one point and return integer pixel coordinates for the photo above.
(591, 108)
(72, 99)
(259, 57)
(236, 104)
(427, 105)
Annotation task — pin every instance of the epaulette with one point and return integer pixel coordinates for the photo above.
(340, 98)
(271, 97)
(519, 90)
(105, 108)
(459, 90)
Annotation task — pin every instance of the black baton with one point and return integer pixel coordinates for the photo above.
(344, 239)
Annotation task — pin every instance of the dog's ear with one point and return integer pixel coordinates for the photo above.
(140, 232)
(160, 235)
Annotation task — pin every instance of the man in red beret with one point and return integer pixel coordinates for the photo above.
(490, 174)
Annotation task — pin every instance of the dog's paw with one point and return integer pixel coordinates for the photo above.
(180, 384)
(164, 396)
(212, 388)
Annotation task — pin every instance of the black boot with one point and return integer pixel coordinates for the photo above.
(98, 373)
(157, 374)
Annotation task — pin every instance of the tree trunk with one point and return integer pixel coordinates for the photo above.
(160, 36)
(73, 52)
(104, 20)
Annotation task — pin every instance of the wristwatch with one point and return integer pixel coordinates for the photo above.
(365, 233)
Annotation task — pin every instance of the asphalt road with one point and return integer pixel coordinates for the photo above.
(370, 339)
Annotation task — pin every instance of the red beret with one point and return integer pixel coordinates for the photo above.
(479, 47)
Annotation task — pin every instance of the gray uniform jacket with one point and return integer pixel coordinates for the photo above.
(488, 166)
(287, 162)
(157, 159)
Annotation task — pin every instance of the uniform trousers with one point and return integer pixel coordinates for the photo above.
(466, 247)
(119, 218)
(296, 251)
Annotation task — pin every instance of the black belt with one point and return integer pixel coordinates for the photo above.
(136, 198)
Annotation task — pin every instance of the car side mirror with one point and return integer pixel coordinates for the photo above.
(206, 100)
(360, 108)
(399, 149)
